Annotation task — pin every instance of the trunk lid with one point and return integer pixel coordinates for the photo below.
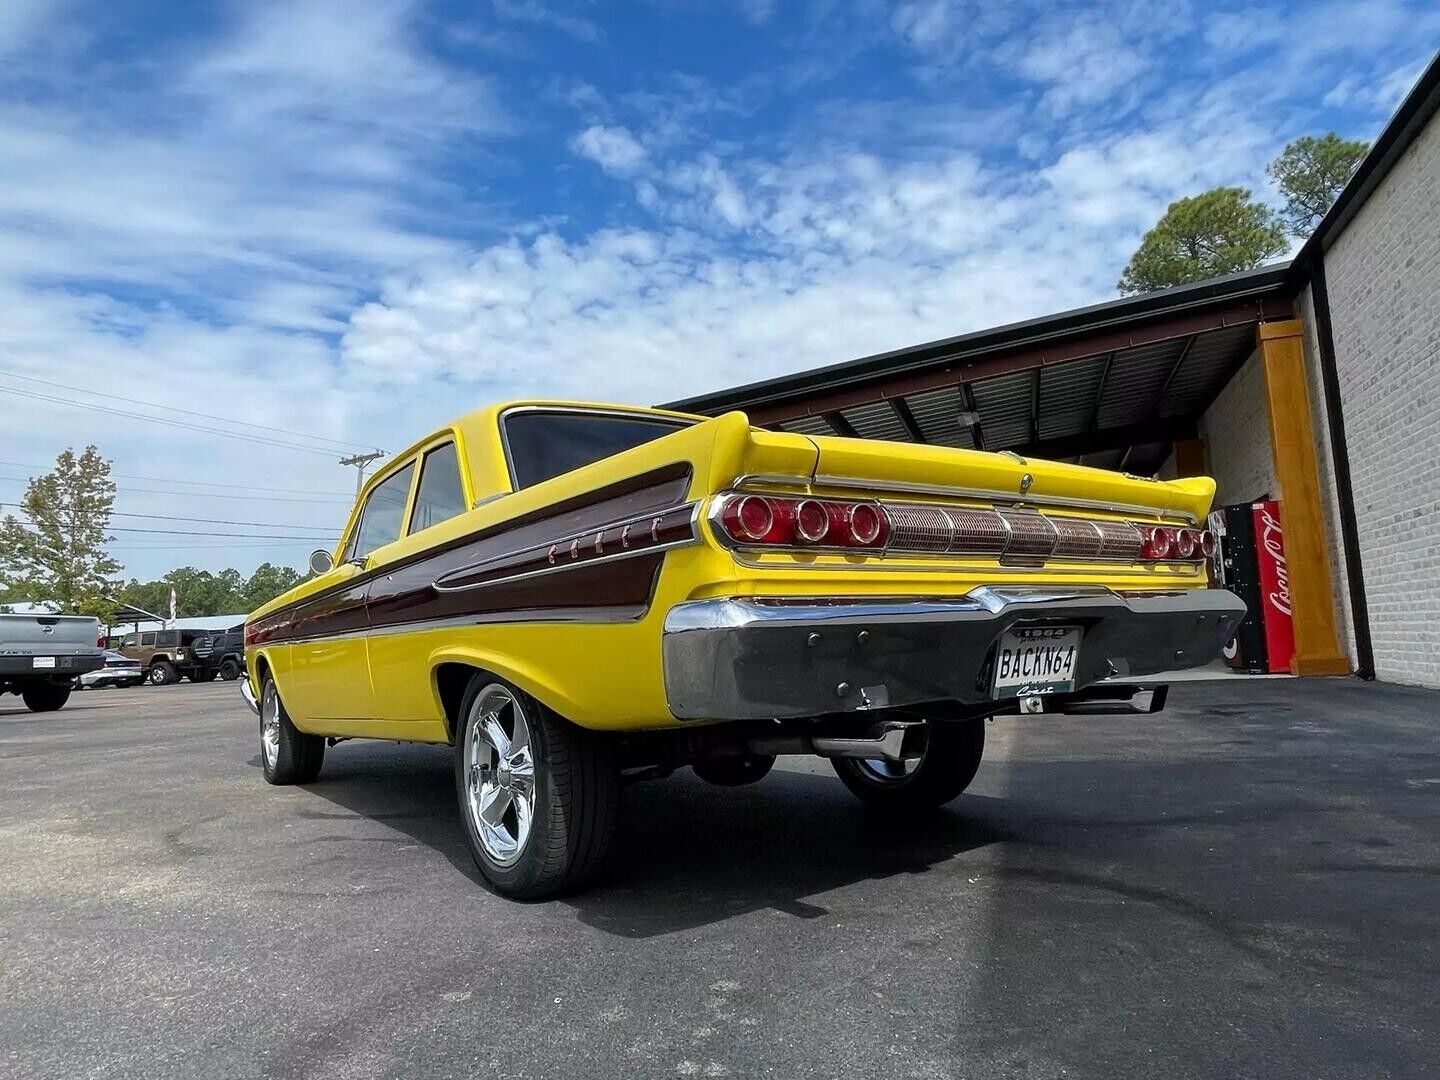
(978, 474)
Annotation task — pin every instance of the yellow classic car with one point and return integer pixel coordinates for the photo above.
(574, 596)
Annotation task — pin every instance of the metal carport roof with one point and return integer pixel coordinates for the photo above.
(1111, 385)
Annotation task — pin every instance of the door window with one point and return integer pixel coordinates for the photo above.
(147, 639)
(131, 640)
(383, 515)
(441, 495)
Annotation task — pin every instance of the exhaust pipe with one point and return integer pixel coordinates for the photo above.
(885, 740)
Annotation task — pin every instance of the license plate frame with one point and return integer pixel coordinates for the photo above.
(1036, 659)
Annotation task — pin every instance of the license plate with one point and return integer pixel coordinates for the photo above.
(1036, 660)
(43, 661)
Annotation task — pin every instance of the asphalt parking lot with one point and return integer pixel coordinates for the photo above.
(1245, 885)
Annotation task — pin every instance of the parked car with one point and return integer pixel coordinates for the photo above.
(576, 595)
(118, 671)
(41, 656)
(168, 655)
(223, 652)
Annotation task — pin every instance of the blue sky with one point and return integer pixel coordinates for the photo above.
(356, 220)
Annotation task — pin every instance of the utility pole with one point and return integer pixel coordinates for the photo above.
(360, 461)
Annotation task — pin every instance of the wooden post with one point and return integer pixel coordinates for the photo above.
(1292, 442)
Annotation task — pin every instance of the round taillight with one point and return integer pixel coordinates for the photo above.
(754, 517)
(865, 523)
(1186, 541)
(1207, 544)
(812, 521)
(1159, 543)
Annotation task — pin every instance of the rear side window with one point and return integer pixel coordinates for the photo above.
(384, 514)
(543, 445)
(440, 496)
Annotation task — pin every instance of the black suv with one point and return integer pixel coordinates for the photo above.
(223, 652)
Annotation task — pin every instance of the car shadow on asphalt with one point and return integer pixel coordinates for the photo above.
(688, 854)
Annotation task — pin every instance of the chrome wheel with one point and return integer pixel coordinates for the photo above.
(270, 725)
(499, 773)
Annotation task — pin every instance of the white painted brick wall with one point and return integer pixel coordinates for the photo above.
(1236, 430)
(1384, 278)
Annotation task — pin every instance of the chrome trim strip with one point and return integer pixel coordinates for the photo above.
(959, 564)
(627, 613)
(571, 538)
(248, 693)
(859, 484)
(560, 568)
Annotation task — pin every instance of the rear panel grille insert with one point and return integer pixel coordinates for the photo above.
(1024, 536)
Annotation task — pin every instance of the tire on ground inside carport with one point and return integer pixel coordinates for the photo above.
(229, 671)
(575, 795)
(161, 673)
(953, 750)
(45, 697)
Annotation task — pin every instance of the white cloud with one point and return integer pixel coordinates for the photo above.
(614, 149)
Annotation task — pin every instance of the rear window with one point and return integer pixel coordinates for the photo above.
(543, 445)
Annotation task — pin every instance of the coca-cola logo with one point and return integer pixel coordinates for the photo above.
(1272, 539)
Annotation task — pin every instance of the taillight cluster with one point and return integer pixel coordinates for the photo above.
(781, 521)
(1163, 544)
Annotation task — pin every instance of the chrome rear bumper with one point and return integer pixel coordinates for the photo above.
(753, 659)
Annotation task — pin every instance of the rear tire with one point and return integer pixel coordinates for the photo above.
(539, 796)
(45, 697)
(229, 671)
(953, 751)
(287, 754)
(208, 675)
(162, 673)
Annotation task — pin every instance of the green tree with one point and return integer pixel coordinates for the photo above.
(267, 582)
(1215, 232)
(1310, 173)
(56, 549)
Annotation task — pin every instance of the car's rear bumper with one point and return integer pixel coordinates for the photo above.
(740, 659)
(67, 663)
(116, 675)
(248, 693)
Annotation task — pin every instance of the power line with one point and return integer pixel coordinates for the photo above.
(253, 439)
(203, 494)
(203, 521)
(341, 443)
(44, 469)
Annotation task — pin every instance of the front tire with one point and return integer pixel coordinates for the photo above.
(162, 673)
(287, 754)
(539, 796)
(952, 755)
(229, 671)
(45, 697)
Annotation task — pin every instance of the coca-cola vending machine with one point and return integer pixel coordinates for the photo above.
(1251, 564)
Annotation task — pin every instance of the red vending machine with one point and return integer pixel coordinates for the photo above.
(1251, 564)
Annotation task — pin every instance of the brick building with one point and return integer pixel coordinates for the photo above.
(1315, 381)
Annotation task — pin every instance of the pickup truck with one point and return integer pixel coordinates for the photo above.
(574, 595)
(42, 655)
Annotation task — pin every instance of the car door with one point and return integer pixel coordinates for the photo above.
(329, 660)
(398, 670)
